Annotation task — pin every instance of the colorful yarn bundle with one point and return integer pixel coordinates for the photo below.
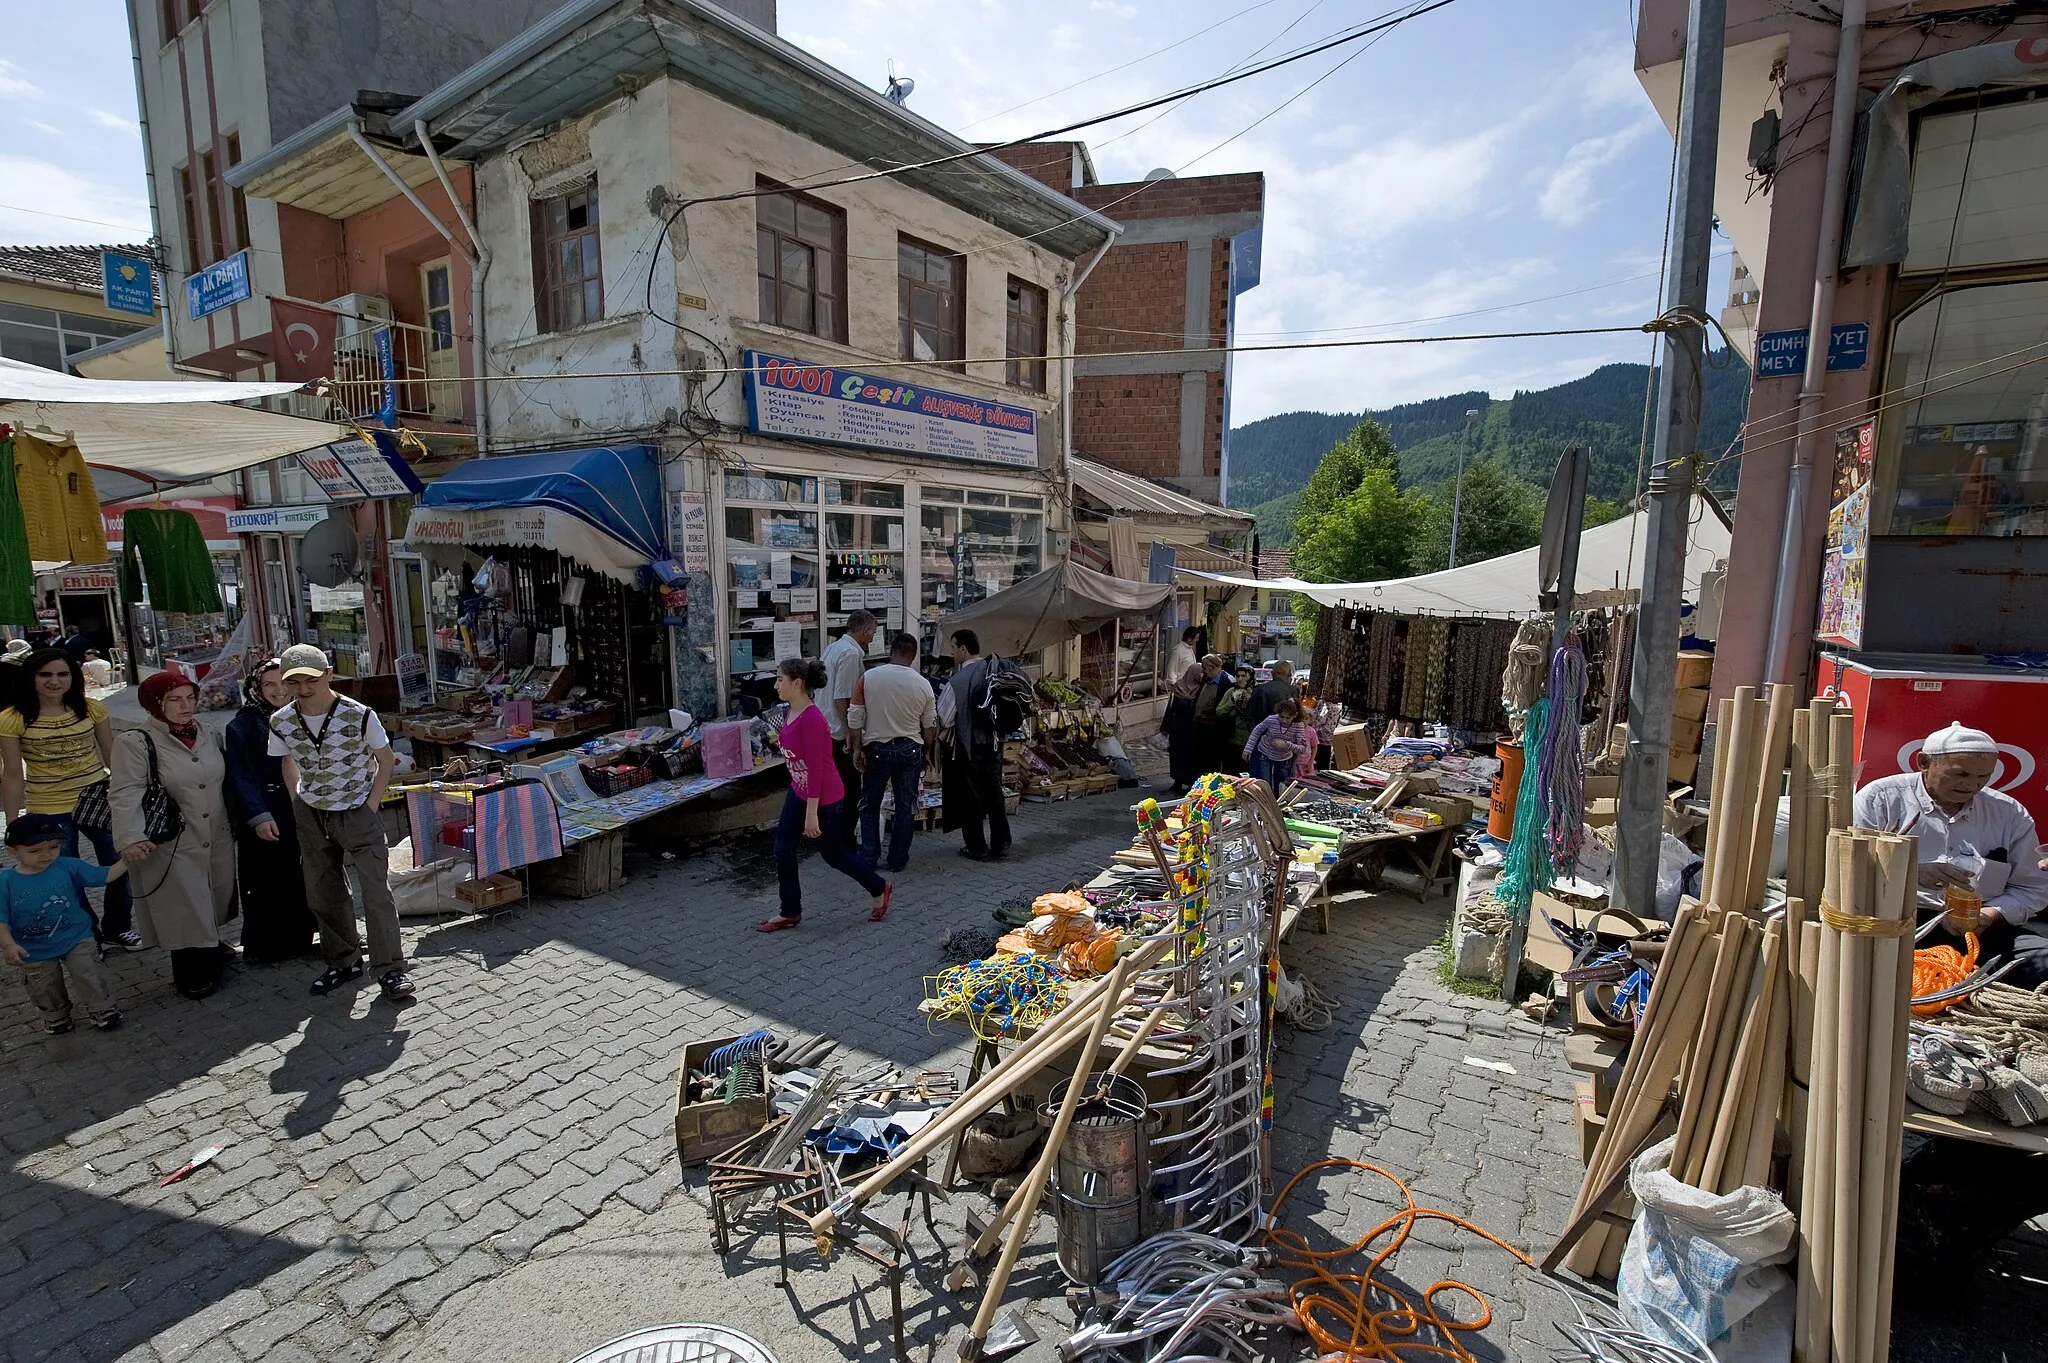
(1562, 767)
(998, 998)
(1526, 867)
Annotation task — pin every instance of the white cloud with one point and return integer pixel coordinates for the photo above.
(115, 121)
(14, 85)
(44, 128)
(1572, 193)
(71, 208)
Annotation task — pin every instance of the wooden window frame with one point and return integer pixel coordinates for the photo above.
(549, 290)
(909, 289)
(237, 202)
(191, 217)
(1025, 335)
(771, 246)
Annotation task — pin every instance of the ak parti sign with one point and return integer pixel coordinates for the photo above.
(210, 512)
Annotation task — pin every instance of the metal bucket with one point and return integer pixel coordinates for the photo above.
(1099, 1177)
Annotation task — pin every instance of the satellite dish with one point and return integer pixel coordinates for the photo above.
(1159, 173)
(327, 554)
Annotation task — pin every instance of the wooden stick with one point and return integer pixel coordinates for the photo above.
(1800, 780)
(1842, 769)
(1819, 800)
(1770, 1087)
(1711, 1083)
(1851, 1097)
(1892, 899)
(1727, 1158)
(1799, 1059)
(1770, 777)
(1731, 866)
(1816, 1210)
(1900, 867)
(1723, 723)
(1034, 1184)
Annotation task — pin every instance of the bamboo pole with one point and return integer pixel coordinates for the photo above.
(1770, 1088)
(1727, 1160)
(1777, 735)
(1731, 864)
(1851, 1095)
(1799, 753)
(1842, 768)
(1724, 720)
(1799, 1059)
(1816, 1210)
(1710, 1086)
(1697, 1089)
(1894, 873)
(1819, 798)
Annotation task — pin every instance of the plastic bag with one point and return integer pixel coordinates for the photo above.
(1706, 1264)
(1678, 869)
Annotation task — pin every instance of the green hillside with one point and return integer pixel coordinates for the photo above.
(1271, 459)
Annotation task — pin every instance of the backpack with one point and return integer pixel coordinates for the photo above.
(1002, 699)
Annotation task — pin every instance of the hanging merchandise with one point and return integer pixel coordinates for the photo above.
(168, 548)
(59, 502)
(17, 574)
(1522, 682)
(1422, 683)
(1383, 687)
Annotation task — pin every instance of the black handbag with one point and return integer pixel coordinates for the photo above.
(94, 813)
(162, 820)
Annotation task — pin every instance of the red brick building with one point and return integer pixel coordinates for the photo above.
(1166, 289)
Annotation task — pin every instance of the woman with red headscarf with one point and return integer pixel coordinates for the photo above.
(184, 878)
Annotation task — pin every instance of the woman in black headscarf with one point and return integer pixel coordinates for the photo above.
(276, 924)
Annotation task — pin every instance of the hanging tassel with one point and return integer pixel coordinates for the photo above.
(1562, 762)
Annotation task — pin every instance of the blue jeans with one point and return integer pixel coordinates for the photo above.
(1273, 771)
(832, 846)
(119, 914)
(894, 765)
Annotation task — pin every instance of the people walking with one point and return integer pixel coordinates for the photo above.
(1234, 709)
(337, 764)
(171, 821)
(1183, 738)
(973, 772)
(816, 805)
(277, 925)
(894, 719)
(845, 660)
(55, 747)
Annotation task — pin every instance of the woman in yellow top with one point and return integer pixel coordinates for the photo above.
(54, 743)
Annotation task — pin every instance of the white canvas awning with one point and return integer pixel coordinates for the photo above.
(1610, 561)
(157, 432)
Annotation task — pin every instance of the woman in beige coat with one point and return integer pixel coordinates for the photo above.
(184, 889)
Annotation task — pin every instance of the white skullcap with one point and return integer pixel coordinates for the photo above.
(1956, 739)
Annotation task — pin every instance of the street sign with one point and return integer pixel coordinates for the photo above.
(1782, 354)
(220, 285)
(1848, 346)
(126, 284)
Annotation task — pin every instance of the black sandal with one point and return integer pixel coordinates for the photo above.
(336, 977)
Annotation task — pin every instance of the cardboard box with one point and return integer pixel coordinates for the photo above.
(1695, 669)
(1690, 703)
(1601, 813)
(1685, 735)
(1588, 1120)
(1682, 768)
(1603, 787)
(713, 1126)
(1543, 947)
(1349, 747)
(491, 892)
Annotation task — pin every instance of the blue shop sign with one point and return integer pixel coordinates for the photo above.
(220, 285)
(1782, 354)
(804, 401)
(126, 284)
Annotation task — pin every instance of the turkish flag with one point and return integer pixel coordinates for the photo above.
(302, 341)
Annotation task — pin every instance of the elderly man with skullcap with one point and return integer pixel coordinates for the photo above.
(1973, 838)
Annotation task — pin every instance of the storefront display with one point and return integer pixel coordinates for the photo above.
(975, 544)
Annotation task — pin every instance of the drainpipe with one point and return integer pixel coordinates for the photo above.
(1782, 662)
(480, 266)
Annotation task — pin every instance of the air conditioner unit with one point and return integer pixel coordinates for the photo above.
(361, 314)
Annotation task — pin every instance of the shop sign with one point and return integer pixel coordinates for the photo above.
(1782, 354)
(414, 688)
(275, 519)
(689, 528)
(382, 474)
(323, 465)
(1844, 561)
(87, 582)
(787, 397)
(219, 285)
(126, 284)
(513, 526)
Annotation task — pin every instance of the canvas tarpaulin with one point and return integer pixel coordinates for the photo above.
(1054, 606)
(601, 507)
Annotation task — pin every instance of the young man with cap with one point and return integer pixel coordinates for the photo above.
(1971, 837)
(337, 764)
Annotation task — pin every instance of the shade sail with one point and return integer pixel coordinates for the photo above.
(600, 506)
(1053, 606)
(156, 432)
(1610, 559)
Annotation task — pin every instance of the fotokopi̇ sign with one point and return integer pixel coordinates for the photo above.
(789, 397)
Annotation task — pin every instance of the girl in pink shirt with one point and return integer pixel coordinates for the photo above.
(816, 804)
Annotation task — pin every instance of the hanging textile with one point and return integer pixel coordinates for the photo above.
(17, 574)
(1479, 655)
(1422, 682)
(59, 502)
(1319, 659)
(170, 549)
(1383, 690)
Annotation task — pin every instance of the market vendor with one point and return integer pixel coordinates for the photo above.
(1974, 839)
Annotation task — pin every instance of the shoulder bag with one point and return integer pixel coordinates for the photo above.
(162, 820)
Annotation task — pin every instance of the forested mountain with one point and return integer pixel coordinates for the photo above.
(1271, 460)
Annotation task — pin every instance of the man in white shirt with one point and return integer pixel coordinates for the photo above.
(845, 659)
(893, 719)
(1971, 837)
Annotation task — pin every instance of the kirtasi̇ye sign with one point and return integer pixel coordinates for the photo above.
(788, 397)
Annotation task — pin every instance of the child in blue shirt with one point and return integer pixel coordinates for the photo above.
(46, 925)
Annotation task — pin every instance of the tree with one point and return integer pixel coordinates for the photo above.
(1498, 514)
(1352, 522)
(1339, 473)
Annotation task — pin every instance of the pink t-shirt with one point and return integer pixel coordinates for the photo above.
(807, 747)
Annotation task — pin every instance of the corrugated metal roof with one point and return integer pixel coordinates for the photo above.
(589, 52)
(1126, 494)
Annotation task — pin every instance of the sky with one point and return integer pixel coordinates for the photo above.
(1491, 166)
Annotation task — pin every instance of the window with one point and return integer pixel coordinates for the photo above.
(931, 301)
(440, 307)
(42, 336)
(1024, 336)
(216, 217)
(215, 239)
(800, 255)
(568, 283)
(188, 199)
(238, 203)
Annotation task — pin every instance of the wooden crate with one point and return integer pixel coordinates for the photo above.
(592, 867)
(707, 1128)
(491, 892)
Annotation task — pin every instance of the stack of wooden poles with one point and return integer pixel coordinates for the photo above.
(1767, 1034)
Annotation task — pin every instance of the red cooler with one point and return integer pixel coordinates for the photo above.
(1900, 698)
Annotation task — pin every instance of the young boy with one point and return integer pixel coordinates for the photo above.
(46, 928)
(337, 764)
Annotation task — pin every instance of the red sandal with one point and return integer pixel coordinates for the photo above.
(881, 910)
(777, 924)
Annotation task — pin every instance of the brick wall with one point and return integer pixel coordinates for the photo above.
(1135, 300)
(1195, 197)
(1050, 163)
(1130, 422)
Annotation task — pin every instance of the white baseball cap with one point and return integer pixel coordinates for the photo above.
(304, 660)
(1956, 739)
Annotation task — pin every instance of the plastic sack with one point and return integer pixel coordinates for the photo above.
(1678, 869)
(1706, 1264)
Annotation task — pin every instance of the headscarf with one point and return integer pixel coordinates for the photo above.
(252, 687)
(151, 693)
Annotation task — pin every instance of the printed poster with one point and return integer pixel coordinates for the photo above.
(1847, 555)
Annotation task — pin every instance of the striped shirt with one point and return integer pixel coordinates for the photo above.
(61, 756)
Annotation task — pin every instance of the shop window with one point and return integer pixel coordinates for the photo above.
(970, 551)
(800, 260)
(48, 338)
(772, 574)
(1980, 188)
(568, 282)
(237, 203)
(1024, 336)
(931, 301)
(1966, 450)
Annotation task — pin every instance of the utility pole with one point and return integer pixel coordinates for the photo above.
(1681, 380)
(1458, 492)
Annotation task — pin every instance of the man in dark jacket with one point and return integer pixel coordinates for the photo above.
(973, 773)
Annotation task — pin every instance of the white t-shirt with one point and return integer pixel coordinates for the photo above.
(844, 661)
(898, 703)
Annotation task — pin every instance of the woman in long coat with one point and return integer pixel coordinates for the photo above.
(185, 889)
(276, 924)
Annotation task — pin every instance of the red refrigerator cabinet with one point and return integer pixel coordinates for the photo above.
(1900, 698)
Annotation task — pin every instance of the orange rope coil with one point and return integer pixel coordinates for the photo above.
(1939, 968)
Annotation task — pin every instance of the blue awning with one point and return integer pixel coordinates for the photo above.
(613, 489)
